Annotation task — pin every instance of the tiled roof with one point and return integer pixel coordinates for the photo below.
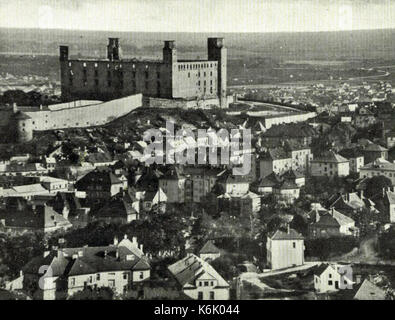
(88, 260)
(188, 269)
(350, 153)
(369, 291)
(375, 148)
(283, 235)
(330, 156)
(209, 247)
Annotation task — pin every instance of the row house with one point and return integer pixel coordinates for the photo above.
(118, 266)
(379, 167)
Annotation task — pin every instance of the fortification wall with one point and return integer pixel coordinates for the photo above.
(73, 104)
(86, 116)
(185, 104)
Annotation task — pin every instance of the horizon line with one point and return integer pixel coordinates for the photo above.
(221, 32)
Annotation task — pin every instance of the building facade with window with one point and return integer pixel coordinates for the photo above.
(285, 249)
(198, 279)
(118, 266)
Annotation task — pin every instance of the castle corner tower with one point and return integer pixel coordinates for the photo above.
(217, 52)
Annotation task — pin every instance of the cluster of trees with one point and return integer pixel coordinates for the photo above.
(386, 244)
(16, 252)
(157, 232)
(324, 248)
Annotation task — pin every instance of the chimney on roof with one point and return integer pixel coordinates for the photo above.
(14, 108)
(116, 241)
(332, 211)
(125, 236)
(134, 241)
(288, 229)
(141, 248)
(105, 253)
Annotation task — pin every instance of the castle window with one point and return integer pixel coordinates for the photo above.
(96, 82)
(96, 73)
(109, 83)
(146, 74)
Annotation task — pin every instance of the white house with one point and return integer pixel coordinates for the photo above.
(285, 249)
(198, 279)
(70, 270)
(330, 164)
(379, 167)
(333, 277)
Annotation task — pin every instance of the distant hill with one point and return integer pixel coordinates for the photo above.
(344, 45)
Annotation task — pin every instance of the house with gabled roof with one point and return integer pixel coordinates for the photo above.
(333, 277)
(198, 279)
(69, 270)
(209, 251)
(100, 184)
(28, 217)
(285, 249)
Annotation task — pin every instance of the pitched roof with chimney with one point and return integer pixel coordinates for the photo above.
(124, 256)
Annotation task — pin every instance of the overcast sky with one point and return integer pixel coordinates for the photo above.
(199, 15)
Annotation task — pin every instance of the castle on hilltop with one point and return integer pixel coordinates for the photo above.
(165, 81)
